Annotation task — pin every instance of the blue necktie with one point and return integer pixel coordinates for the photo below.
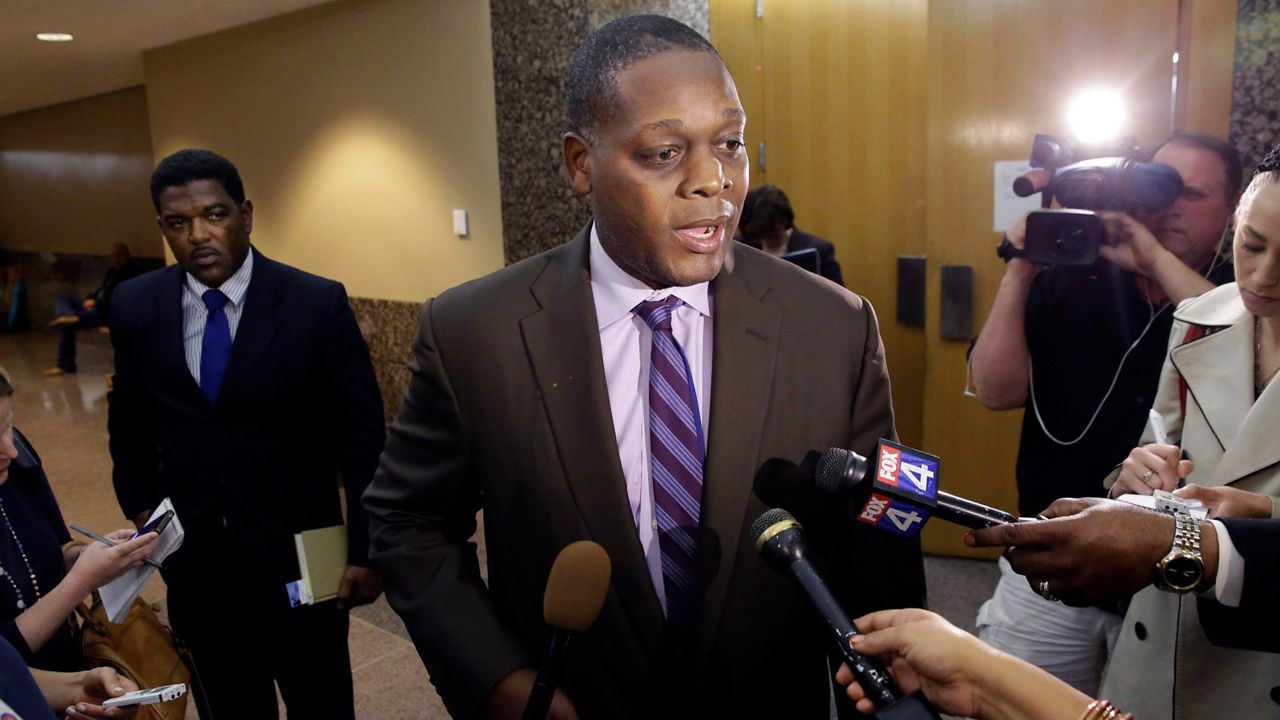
(217, 345)
(675, 464)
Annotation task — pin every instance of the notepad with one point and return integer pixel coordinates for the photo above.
(322, 559)
(117, 595)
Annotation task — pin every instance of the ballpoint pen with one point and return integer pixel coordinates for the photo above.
(110, 543)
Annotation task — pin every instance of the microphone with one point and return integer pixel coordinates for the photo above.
(780, 539)
(903, 493)
(1032, 182)
(576, 589)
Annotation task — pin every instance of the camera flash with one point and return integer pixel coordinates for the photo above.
(1096, 115)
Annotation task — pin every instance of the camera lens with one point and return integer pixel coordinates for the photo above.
(1071, 243)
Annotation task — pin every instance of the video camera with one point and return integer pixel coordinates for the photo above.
(1085, 178)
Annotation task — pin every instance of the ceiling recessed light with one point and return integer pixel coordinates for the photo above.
(55, 37)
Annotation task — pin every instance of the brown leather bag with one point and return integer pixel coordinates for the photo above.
(141, 648)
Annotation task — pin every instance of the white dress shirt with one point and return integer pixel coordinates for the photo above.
(1229, 584)
(626, 341)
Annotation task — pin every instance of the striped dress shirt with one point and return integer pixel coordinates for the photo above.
(194, 312)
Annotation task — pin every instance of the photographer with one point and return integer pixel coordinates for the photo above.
(1081, 347)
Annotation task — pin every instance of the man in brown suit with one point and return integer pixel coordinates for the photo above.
(532, 397)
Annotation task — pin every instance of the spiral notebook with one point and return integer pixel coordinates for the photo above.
(117, 595)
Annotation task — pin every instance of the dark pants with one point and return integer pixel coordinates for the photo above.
(66, 305)
(239, 652)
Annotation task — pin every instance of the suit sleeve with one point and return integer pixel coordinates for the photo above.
(1251, 626)
(131, 424)
(422, 512)
(880, 570)
(356, 418)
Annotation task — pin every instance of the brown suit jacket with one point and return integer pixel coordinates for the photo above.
(507, 409)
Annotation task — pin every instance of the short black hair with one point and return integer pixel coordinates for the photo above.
(593, 72)
(1270, 163)
(1268, 172)
(1232, 167)
(187, 166)
(766, 205)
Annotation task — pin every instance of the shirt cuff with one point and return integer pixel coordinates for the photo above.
(1229, 585)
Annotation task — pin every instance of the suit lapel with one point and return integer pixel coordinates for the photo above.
(1246, 427)
(745, 349)
(1255, 445)
(1218, 370)
(257, 328)
(170, 340)
(563, 344)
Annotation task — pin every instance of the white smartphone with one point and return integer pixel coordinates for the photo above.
(150, 696)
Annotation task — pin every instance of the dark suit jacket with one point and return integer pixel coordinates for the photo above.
(507, 409)
(827, 265)
(1253, 625)
(299, 408)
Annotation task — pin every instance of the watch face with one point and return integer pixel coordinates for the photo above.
(1182, 573)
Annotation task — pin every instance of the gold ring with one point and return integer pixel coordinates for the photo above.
(1044, 591)
(1146, 476)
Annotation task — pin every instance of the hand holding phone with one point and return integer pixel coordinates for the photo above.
(150, 696)
(156, 526)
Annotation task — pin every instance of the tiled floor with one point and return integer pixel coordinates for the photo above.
(66, 419)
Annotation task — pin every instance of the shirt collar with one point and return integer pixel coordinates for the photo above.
(234, 287)
(616, 291)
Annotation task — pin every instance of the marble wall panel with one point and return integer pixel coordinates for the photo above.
(389, 327)
(532, 45)
(1255, 90)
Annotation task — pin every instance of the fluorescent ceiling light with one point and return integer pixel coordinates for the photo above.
(55, 37)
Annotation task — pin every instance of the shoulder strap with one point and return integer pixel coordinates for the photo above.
(1194, 332)
(27, 457)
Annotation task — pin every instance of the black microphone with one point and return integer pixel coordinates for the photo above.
(780, 539)
(1032, 182)
(576, 589)
(903, 492)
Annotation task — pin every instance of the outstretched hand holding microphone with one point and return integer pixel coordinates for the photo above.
(959, 674)
(929, 658)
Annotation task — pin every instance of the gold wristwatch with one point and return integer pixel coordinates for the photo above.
(1182, 569)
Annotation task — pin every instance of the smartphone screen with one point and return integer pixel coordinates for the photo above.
(156, 526)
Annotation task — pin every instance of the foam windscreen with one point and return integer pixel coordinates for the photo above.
(577, 586)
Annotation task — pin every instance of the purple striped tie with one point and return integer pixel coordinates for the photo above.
(675, 463)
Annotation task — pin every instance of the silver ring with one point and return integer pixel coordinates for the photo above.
(1146, 476)
(1044, 591)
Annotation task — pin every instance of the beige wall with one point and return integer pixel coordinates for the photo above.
(73, 177)
(357, 127)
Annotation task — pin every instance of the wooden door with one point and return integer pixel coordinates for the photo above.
(999, 72)
(882, 119)
(841, 84)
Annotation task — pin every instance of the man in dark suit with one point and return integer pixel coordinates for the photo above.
(244, 391)
(94, 311)
(626, 388)
(1251, 624)
(768, 223)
